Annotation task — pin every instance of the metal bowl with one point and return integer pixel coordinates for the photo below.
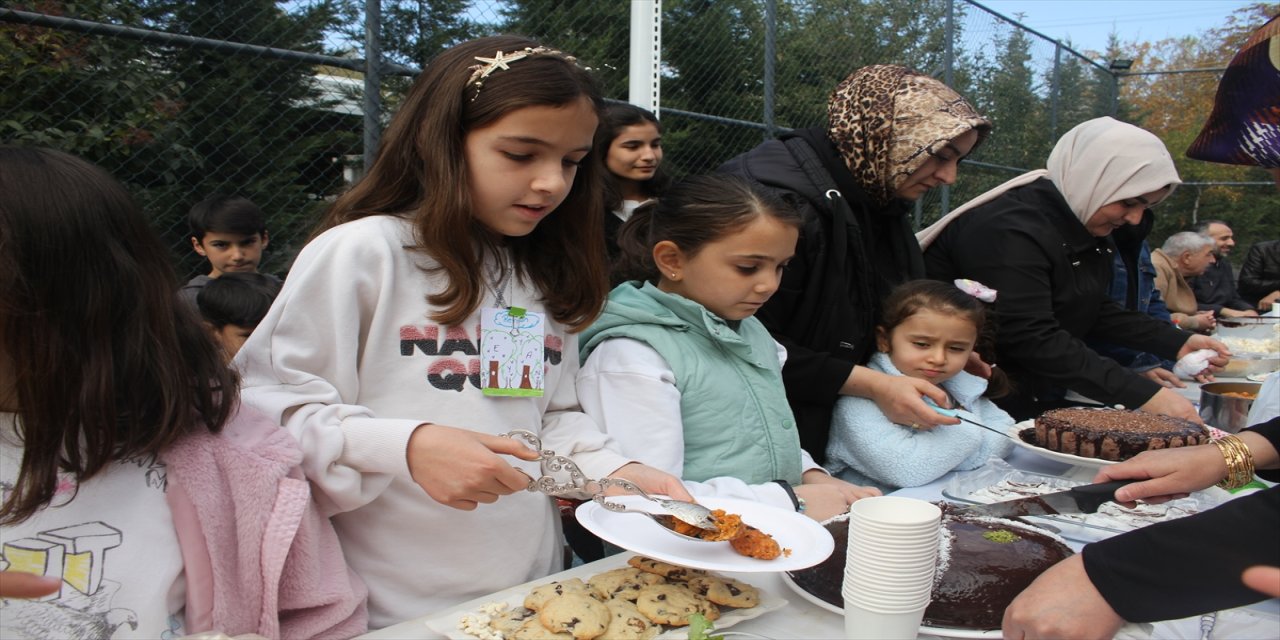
(1229, 413)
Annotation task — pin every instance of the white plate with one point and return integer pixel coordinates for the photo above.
(1079, 461)
(809, 542)
(446, 622)
(943, 632)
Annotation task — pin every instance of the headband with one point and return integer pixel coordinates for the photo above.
(502, 61)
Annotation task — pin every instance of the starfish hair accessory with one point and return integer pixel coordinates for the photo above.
(977, 290)
(502, 61)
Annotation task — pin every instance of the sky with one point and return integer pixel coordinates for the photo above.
(1088, 23)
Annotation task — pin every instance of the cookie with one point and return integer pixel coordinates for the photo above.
(627, 623)
(577, 614)
(541, 594)
(532, 629)
(673, 604)
(664, 569)
(506, 622)
(726, 591)
(624, 583)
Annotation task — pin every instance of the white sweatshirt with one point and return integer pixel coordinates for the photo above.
(350, 362)
(628, 388)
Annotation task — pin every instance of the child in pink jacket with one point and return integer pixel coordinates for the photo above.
(128, 470)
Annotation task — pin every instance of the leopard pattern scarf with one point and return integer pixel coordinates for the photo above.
(887, 120)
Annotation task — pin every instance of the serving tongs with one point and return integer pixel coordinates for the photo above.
(578, 484)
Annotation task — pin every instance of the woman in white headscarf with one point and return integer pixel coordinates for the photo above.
(1041, 241)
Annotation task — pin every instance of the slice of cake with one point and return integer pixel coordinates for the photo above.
(1113, 434)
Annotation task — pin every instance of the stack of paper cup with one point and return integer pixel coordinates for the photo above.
(888, 576)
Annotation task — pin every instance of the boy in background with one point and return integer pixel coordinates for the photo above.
(229, 231)
(234, 304)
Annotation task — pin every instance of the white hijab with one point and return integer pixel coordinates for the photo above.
(1103, 160)
(1098, 162)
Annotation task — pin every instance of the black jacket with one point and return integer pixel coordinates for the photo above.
(850, 254)
(1260, 273)
(1192, 565)
(1215, 289)
(1052, 277)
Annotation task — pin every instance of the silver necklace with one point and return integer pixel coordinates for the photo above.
(499, 279)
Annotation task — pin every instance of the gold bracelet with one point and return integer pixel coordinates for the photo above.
(1239, 462)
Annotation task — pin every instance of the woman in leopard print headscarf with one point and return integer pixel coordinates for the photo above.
(893, 134)
(889, 122)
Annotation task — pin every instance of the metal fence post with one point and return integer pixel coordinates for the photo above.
(1055, 90)
(372, 80)
(646, 44)
(949, 77)
(1115, 94)
(770, 53)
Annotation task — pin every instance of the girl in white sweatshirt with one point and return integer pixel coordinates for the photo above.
(445, 289)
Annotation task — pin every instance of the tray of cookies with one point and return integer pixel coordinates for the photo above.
(623, 596)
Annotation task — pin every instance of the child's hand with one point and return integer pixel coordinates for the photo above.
(461, 468)
(15, 584)
(653, 481)
(831, 497)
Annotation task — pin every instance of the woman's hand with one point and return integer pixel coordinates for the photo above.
(1061, 603)
(1163, 377)
(1168, 473)
(1264, 579)
(975, 365)
(16, 584)
(1169, 403)
(1267, 301)
(1174, 473)
(1198, 342)
(899, 398)
(651, 480)
(461, 468)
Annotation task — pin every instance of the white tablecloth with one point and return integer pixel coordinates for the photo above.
(801, 619)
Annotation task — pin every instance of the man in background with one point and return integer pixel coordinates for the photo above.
(1216, 289)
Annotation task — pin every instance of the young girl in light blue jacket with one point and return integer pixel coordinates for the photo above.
(929, 330)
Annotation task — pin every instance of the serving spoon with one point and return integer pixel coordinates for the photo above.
(579, 485)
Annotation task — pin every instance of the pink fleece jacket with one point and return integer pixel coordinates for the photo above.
(259, 557)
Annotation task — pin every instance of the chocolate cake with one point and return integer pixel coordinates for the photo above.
(983, 564)
(1112, 434)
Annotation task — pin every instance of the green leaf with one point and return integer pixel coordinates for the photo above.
(700, 628)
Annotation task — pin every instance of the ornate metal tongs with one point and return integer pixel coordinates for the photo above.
(578, 485)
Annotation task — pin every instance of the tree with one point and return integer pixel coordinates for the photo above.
(88, 95)
(174, 123)
(597, 33)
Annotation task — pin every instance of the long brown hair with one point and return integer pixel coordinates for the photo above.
(105, 362)
(421, 172)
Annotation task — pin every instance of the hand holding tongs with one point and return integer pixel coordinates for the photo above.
(577, 484)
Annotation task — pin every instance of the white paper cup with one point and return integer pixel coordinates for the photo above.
(874, 538)
(896, 511)
(886, 605)
(861, 623)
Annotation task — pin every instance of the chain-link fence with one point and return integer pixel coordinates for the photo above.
(180, 99)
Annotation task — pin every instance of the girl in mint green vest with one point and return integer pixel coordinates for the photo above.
(679, 371)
